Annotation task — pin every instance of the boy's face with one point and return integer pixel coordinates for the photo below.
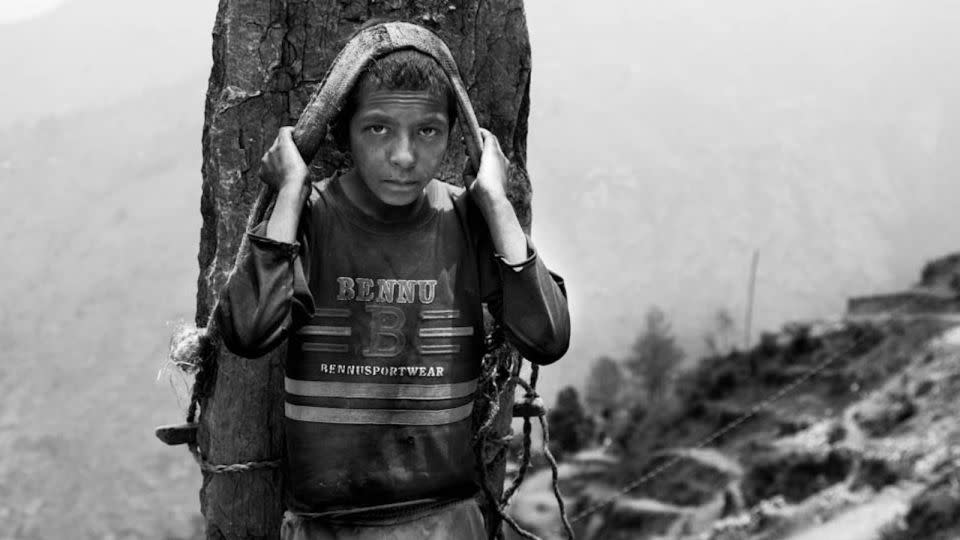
(398, 138)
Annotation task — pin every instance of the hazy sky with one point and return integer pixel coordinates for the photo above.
(12, 11)
(668, 140)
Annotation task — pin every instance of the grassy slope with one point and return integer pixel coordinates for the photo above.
(796, 446)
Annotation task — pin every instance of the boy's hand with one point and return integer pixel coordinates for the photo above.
(490, 184)
(282, 167)
(489, 190)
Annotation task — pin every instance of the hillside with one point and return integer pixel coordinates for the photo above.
(668, 141)
(104, 237)
(826, 432)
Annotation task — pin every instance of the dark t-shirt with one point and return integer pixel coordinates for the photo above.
(385, 336)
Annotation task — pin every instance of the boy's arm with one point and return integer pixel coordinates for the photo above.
(283, 169)
(531, 303)
(254, 313)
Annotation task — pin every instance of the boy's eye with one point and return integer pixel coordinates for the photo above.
(377, 129)
(429, 131)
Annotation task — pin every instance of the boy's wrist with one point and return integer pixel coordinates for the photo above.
(492, 201)
(293, 190)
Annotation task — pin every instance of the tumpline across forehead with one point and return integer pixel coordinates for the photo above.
(406, 70)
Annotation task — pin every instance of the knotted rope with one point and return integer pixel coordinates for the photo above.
(500, 375)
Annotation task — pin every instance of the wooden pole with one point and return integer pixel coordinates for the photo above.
(268, 57)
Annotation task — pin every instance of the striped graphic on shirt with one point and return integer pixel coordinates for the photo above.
(441, 348)
(433, 340)
(335, 390)
(430, 314)
(331, 415)
(455, 331)
(322, 330)
(379, 390)
(315, 330)
(326, 347)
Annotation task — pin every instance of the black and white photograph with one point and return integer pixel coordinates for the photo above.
(480, 270)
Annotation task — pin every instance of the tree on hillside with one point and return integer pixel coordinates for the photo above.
(655, 356)
(570, 426)
(720, 338)
(604, 385)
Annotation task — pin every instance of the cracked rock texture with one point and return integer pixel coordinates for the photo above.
(269, 57)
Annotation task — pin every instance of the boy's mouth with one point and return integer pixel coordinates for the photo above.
(401, 183)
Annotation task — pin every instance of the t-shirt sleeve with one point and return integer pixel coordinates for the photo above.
(267, 287)
(528, 300)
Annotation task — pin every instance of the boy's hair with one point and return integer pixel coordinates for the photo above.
(405, 69)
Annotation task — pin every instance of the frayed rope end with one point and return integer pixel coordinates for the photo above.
(188, 346)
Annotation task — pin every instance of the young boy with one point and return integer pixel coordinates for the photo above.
(376, 277)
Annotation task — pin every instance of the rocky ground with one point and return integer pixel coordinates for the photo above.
(843, 431)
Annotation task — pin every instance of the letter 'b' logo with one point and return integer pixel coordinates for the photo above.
(386, 331)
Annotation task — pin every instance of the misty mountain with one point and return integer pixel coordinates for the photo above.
(92, 53)
(100, 228)
(667, 142)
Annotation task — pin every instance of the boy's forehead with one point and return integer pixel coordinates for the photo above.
(379, 99)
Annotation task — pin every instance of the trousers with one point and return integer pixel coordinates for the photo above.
(458, 521)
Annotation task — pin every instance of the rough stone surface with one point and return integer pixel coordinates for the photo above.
(269, 56)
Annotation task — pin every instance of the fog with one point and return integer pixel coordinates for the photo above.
(668, 141)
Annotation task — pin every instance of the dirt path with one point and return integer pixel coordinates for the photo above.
(863, 522)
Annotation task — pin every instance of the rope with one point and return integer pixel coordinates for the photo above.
(530, 396)
(524, 461)
(498, 363)
(592, 509)
(556, 478)
(245, 466)
(501, 362)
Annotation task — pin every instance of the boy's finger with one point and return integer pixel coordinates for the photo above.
(489, 137)
(284, 138)
(486, 136)
(490, 141)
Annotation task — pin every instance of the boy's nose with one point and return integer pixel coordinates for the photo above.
(401, 155)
